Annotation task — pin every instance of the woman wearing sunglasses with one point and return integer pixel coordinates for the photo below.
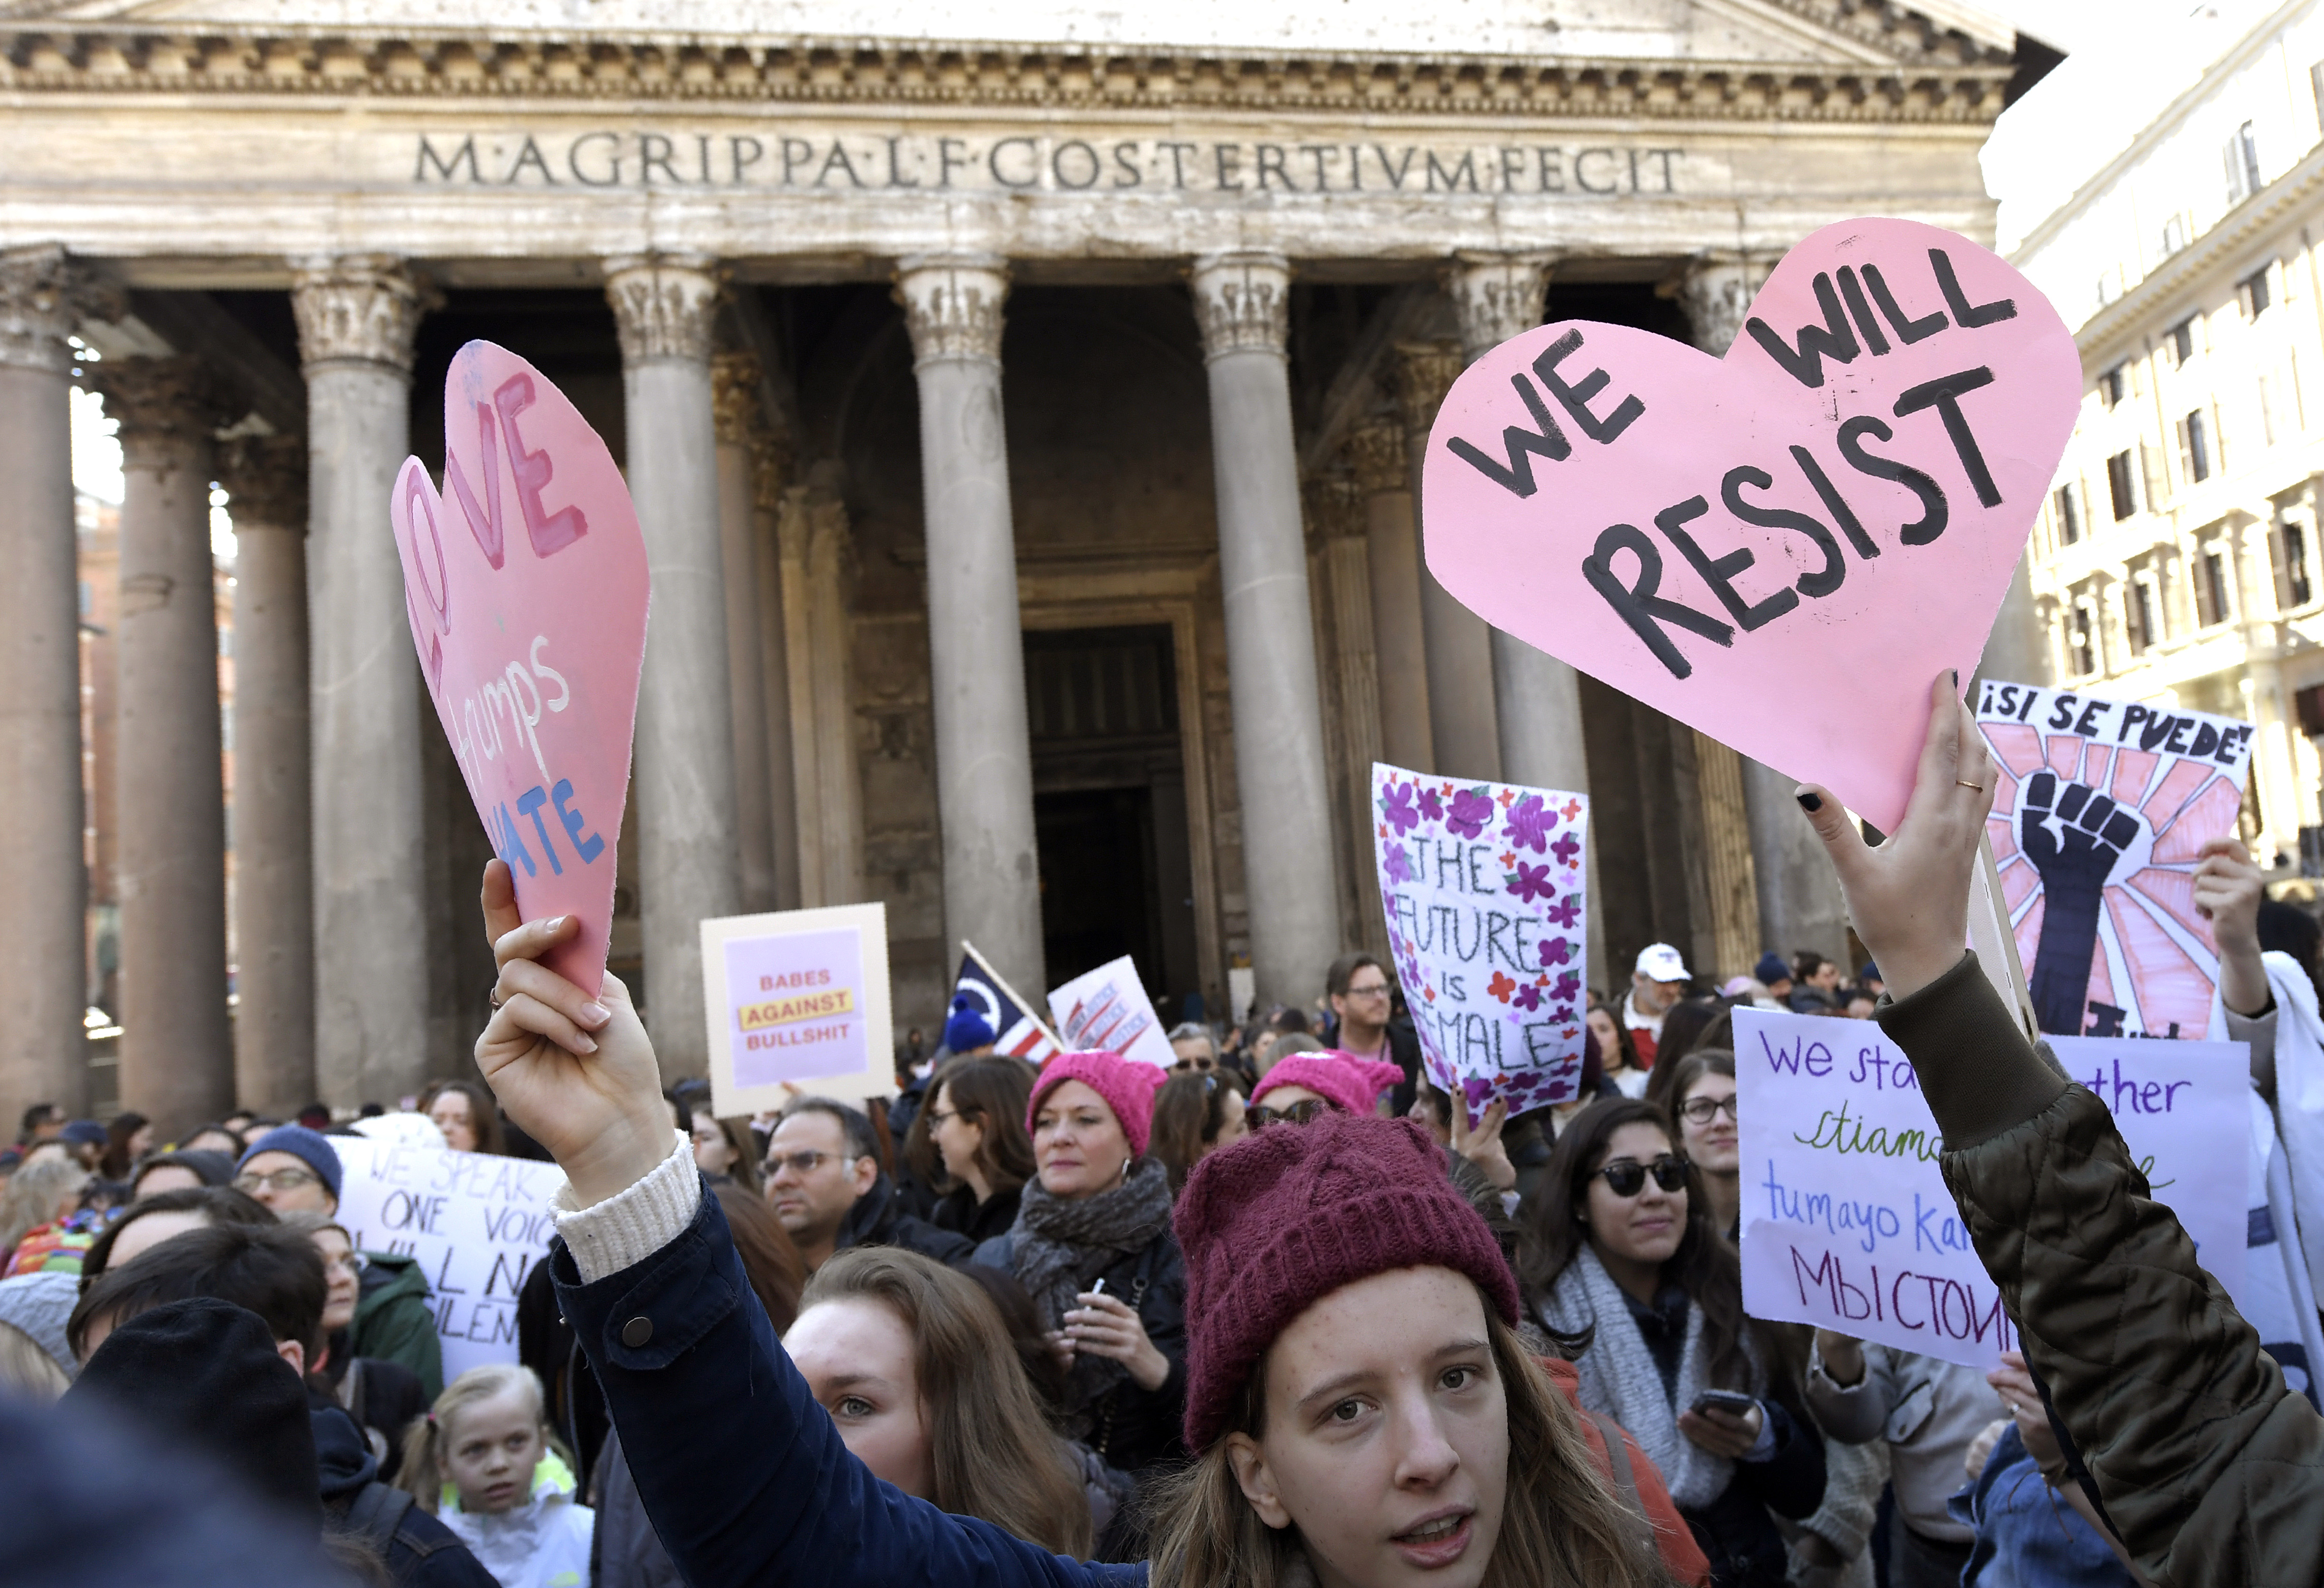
(1618, 1246)
(1307, 1085)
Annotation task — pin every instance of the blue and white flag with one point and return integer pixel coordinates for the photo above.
(1019, 1034)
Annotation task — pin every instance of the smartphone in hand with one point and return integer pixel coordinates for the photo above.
(1733, 1402)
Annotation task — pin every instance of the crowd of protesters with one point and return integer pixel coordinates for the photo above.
(1281, 1314)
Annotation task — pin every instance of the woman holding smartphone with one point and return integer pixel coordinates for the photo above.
(1621, 1246)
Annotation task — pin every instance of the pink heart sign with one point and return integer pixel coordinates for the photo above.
(525, 582)
(1781, 546)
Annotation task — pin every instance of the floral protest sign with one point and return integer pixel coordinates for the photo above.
(1842, 497)
(1482, 886)
(2102, 812)
(1846, 1223)
(525, 584)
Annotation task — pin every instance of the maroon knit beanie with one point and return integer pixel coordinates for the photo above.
(1127, 1084)
(1281, 1219)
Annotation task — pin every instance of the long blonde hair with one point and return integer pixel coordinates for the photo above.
(1560, 1524)
(27, 1370)
(30, 1198)
(424, 1442)
(992, 1454)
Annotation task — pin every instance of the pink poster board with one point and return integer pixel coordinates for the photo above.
(525, 583)
(2103, 809)
(1783, 546)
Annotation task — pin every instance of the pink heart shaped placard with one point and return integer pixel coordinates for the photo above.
(525, 583)
(1784, 546)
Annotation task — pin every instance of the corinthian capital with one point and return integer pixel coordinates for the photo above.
(163, 405)
(1243, 301)
(45, 293)
(952, 305)
(1382, 461)
(358, 308)
(665, 305)
(265, 480)
(1497, 296)
(1425, 371)
(1715, 292)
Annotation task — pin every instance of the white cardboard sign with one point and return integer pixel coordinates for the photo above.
(797, 1000)
(1107, 1008)
(1847, 1226)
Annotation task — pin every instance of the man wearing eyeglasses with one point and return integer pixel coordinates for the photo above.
(293, 1169)
(1363, 1002)
(825, 1185)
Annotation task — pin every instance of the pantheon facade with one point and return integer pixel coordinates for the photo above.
(1025, 435)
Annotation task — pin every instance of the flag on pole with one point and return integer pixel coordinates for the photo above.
(1019, 1034)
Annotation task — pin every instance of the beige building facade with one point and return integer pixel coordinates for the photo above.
(1024, 425)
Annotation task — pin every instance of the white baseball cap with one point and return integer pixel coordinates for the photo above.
(1659, 962)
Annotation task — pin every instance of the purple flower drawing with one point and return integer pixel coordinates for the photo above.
(1472, 810)
(1568, 982)
(1566, 847)
(1566, 912)
(1528, 824)
(1431, 805)
(1530, 882)
(1526, 997)
(1396, 805)
(1399, 864)
(1556, 951)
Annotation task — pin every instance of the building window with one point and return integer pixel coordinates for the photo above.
(2069, 514)
(2252, 293)
(2211, 589)
(2119, 485)
(2242, 156)
(2110, 387)
(2175, 234)
(2194, 449)
(2296, 585)
(2086, 659)
(2138, 616)
(2181, 337)
(2309, 704)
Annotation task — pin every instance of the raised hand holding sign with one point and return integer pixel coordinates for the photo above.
(1835, 507)
(525, 582)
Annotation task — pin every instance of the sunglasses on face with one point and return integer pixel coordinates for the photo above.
(1699, 1111)
(1627, 1176)
(1304, 1112)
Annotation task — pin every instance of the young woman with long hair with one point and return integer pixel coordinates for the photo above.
(1618, 1245)
(971, 1133)
(1195, 1113)
(467, 1114)
(1702, 1105)
(1359, 1404)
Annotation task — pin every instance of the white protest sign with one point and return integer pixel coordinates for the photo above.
(475, 1223)
(796, 999)
(1107, 1008)
(2099, 820)
(1847, 1226)
(1482, 885)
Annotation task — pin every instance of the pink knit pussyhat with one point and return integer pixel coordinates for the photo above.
(1354, 1083)
(1274, 1224)
(1127, 1084)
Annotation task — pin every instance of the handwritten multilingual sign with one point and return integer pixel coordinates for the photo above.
(1483, 888)
(475, 1223)
(1848, 1224)
(526, 586)
(2099, 818)
(1842, 497)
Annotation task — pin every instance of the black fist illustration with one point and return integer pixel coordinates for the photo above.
(2073, 835)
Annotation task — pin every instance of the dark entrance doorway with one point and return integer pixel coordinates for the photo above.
(1110, 807)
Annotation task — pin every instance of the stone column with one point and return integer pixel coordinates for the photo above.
(664, 306)
(1242, 300)
(272, 821)
(735, 395)
(1799, 901)
(1342, 567)
(818, 557)
(357, 318)
(44, 901)
(770, 466)
(976, 652)
(177, 1055)
(1392, 553)
(1462, 716)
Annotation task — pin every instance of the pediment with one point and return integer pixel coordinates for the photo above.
(1816, 33)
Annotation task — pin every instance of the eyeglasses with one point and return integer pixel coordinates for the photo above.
(1698, 1111)
(1373, 990)
(1305, 1111)
(937, 1116)
(1627, 1176)
(351, 1263)
(278, 1180)
(799, 1163)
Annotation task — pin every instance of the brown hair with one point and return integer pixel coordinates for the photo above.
(991, 1452)
(1560, 1524)
(1626, 1044)
(1662, 1083)
(744, 1171)
(1189, 1112)
(776, 1271)
(484, 1112)
(991, 1091)
(117, 1162)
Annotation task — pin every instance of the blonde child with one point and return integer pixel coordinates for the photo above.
(484, 1460)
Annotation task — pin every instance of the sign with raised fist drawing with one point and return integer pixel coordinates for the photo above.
(2100, 818)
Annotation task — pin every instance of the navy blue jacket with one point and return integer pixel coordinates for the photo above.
(741, 1473)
